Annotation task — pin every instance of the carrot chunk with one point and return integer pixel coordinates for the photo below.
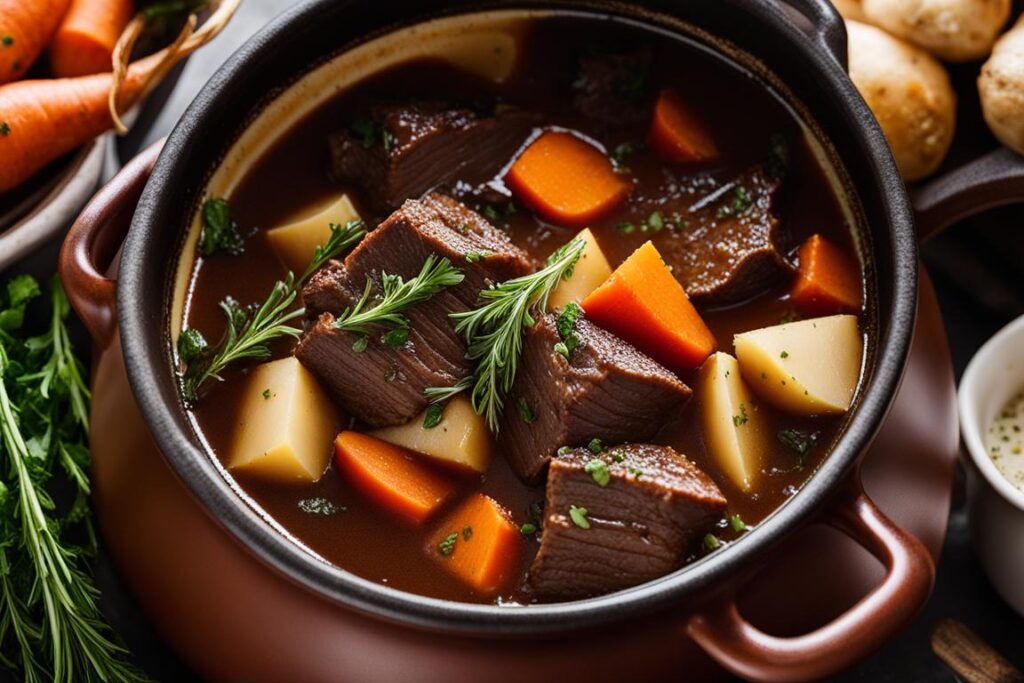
(25, 29)
(391, 476)
(85, 41)
(828, 281)
(645, 305)
(479, 544)
(677, 134)
(566, 180)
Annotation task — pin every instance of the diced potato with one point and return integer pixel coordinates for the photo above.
(734, 430)
(591, 270)
(489, 54)
(295, 243)
(808, 367)
(461, 438)
(286, 425)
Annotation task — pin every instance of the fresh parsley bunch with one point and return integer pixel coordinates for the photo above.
(50, 626)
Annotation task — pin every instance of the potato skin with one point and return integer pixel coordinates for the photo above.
(953, 30)
(1001, 87)
(909, 93)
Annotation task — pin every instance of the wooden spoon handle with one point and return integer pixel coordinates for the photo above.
(971, 657)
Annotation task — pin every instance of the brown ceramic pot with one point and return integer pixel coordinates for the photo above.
(241, 602)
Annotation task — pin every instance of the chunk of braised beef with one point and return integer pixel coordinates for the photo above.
(618, 518)
(613, 88)
(730, 244)
(401, 151)
(605, 388)
(380, 384)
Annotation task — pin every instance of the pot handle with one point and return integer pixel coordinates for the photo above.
(743, 649)
(992, 180)
(93, 242)
(827, 28)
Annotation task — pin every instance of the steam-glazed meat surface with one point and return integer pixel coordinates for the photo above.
(619, 517)
(401, 151)
(606, 389)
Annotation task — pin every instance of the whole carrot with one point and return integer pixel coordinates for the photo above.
(26, 26)
(84, 42)
(42, 120)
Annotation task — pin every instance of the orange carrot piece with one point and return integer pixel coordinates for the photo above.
(828, 281)
(479, 544)
(84, 42)
(42, 120)
(645, 305)
(26, 27)
(677, 134)
(391, 476)
(566, 180)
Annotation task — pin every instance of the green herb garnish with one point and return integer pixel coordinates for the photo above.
(467, 532)
(266, 394)
(526, 412)
(742, 418)
(447, 545)
(433, 416)
(797, 440)
(598, 470)
(367, 132)
(579, 516)
(711, 542)
(5, 128)
(566, 326)
(494, 331)
(319, 506)
(191, 345)
(7, 40)
(528, 528)
(220, 232)
(736, 522)
(397, 338)
(595, 446)
(250, 329)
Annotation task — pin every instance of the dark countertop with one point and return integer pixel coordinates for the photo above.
(978, 269)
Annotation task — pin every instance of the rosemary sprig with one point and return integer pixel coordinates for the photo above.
(494, 331)
(50, 625)
(398, 295)
(250, 329)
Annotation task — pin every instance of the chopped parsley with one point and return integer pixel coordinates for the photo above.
(397, 337)
(563, 451)
(526, 412)
(367, 132)
(635, 471)
(497, 213)
(528, 528)
(598, 470)
(433, 416)
(191, 345)
(220, 232)
(784, 355)
(711, 542)
(266, 394)
(741, 419)
(389, 140)
(595, 446)
(467, 532)
(579, 516)
(736, 522)
(474, 256)
(5, 128)
(741, 201)
(566, 325)
(617, 455)
(7, 40)
(360, 344)
(319, 506)
(626, 228)
(447, 545)
(654, 222)
(798, 440)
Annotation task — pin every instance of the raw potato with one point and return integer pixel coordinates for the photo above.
(808, 367)
(850, 9)
(295, 243)
(590, 272)
(489, 54)
(909, 93)
(286, 426)
(733, 427)
(1001, 86)
(953, 30)
(460, 439)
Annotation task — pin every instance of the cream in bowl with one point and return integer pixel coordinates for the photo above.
(991, 398)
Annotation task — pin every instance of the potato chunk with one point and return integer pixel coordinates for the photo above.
(734, 430)
(808, 367)
(295, 243)
(461, 437)
(591, 270)
(286, 426)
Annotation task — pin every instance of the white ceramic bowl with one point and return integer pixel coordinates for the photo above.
(995, 506)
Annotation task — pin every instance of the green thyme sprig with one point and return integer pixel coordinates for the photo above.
(494, 331)
(50, 625)
(398, 296)
(250, 329)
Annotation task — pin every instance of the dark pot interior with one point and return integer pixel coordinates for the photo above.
(313, 31)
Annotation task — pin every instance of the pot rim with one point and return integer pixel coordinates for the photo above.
(148, 368)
